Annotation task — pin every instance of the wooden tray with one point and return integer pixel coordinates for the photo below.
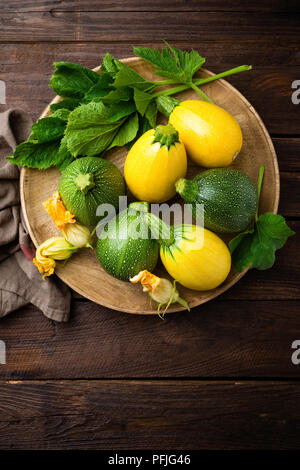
(82, 272)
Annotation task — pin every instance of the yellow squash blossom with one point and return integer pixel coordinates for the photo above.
(44, 264)
(161, 290)
(55, 248)
(78, 235)
(57, 211)
(75, 233)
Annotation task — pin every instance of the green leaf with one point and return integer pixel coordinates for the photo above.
(110, 64)
(257, 246)
(172, 63)
(36, 155)
(126, 132)
(128, 77)
(102, 88)
(62, 114)
(120, 110)
(275, 228)
(144, 126)
(117, 95)
(64, 155)
(92, 127)
(67, 103)
(151, 113)
(142, 100)
(72, 80)
(48, 129)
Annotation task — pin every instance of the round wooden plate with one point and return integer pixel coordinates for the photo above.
(83, 272)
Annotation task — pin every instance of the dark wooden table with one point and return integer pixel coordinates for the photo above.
(221, 376)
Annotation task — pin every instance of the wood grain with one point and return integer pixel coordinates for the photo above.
(150, 5)
(225, 338)
(160, 415)
(140, 26)
(37, 186)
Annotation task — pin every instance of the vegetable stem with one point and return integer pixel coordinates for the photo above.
(259, 184)
(202, 81)
(200, 92)
(166, 82)
(160, 231)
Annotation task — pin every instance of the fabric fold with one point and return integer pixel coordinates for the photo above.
(20, 281)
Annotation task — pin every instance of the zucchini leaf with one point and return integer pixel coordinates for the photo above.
(37, 155)
(101, 88)
(48, 129)
(171, 62)
(92, 127)
(256, 246)
(64, 155)
(127, 132)
(151, 113)
(72, 80)
(110, 65)
(67, 103)
(128, 77)
(142, 100)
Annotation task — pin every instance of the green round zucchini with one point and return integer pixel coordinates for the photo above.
(122, 251)
(87, 183)
(229, 198)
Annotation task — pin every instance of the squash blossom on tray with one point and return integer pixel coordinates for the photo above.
(60, 248)
(159, 289)
(55, 248)
(75, 233)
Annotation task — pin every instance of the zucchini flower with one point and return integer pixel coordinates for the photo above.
(55, 248)
(78, 235)
(159, 289)
(57, 211)
(44, 264)
(75, 233)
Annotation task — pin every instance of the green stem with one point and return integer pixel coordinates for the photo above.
(166, 135)
(160, 231)
(202, 81)
(259, 185)
(166, 82)
(200, 92)
(85, 182)
(139, 206)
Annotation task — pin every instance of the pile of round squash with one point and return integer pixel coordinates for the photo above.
(155, 169)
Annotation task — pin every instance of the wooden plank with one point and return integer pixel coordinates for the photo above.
(288, 151)
(164, 415)
(138, 26)
(219, 53)
(152, 5)
(219, 339)
(289, 204)
(25, 68)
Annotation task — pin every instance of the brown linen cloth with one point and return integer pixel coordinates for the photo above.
(20, 281)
